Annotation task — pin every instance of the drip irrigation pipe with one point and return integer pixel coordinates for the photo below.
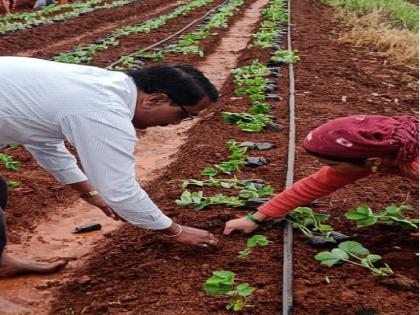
(176, 33)
(288, 230)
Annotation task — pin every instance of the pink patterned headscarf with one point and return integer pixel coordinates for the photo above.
(364, 136)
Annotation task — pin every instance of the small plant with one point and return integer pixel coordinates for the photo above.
(364, 216)
(309, 222)
(236, 161)
(228, 183)
(223, 283)
(285, 56)
(252, 192)
(353, 253)
(247, 122)
(271, 26)
(252, 242)
(252, 71)
(199, 201)
(12, 184)
(7, 160)
(260, 108)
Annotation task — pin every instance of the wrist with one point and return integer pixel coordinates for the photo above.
(172, 231)
(260, 216)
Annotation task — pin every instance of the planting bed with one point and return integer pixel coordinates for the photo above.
(69, 32)
(133, 271)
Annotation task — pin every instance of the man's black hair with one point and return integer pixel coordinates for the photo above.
(183, 84)
(355, 161)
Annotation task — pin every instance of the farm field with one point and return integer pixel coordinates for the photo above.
(263, 56)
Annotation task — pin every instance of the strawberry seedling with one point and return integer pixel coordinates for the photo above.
(284, 56)
(353, 253)
(8, 162)
(199, 202)
(309, 222)
(252, 242)
(12, 184)
(393, 215)
(223, 283)
(247, 122)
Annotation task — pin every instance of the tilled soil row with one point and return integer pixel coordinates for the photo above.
(334, 80)
(135, 42)
(43, 36)
(137, 271)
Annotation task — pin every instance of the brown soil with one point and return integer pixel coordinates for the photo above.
(328, 72)
(170, 284)
(38, 195)
(136, 271)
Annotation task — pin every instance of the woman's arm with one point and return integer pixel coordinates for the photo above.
(319, 184)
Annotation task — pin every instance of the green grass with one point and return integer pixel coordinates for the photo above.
(399, 13)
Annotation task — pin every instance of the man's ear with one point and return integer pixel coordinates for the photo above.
(375, 161)
(155, 99)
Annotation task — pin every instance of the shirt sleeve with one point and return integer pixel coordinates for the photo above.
(105, 143)
(319, 184)
(55, 158)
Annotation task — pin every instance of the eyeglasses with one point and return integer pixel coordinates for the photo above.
(188, 115)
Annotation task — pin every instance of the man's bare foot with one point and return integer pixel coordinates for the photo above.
(12, 308)
(12, 267)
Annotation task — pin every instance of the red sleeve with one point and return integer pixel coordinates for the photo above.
(410, 169)
(319, 184)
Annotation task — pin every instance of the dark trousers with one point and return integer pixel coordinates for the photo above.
(3, 203)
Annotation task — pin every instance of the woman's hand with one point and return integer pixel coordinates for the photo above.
(244, 224)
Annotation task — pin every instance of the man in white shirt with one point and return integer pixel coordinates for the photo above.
(44, 103)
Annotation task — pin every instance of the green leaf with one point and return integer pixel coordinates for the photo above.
(221, 282)
(354, 248)
(197, 196)
(354, 215)
(340, 253)
(245, 253)
(230, 305)
(13, 184)
(209, 171)
(373, 258)
(325, 228)
(185, 199)
(367, 222)
(238, 306)
(257, 240)
(248, 194)
(328, 258)
(244, 289)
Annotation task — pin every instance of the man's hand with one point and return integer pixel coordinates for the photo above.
(98, 202)
(190, 236)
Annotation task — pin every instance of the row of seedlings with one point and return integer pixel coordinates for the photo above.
(85, 53)
(188, 43)
(253, 82)
(53, 13)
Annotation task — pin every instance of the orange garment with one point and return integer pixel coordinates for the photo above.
(319, 184)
